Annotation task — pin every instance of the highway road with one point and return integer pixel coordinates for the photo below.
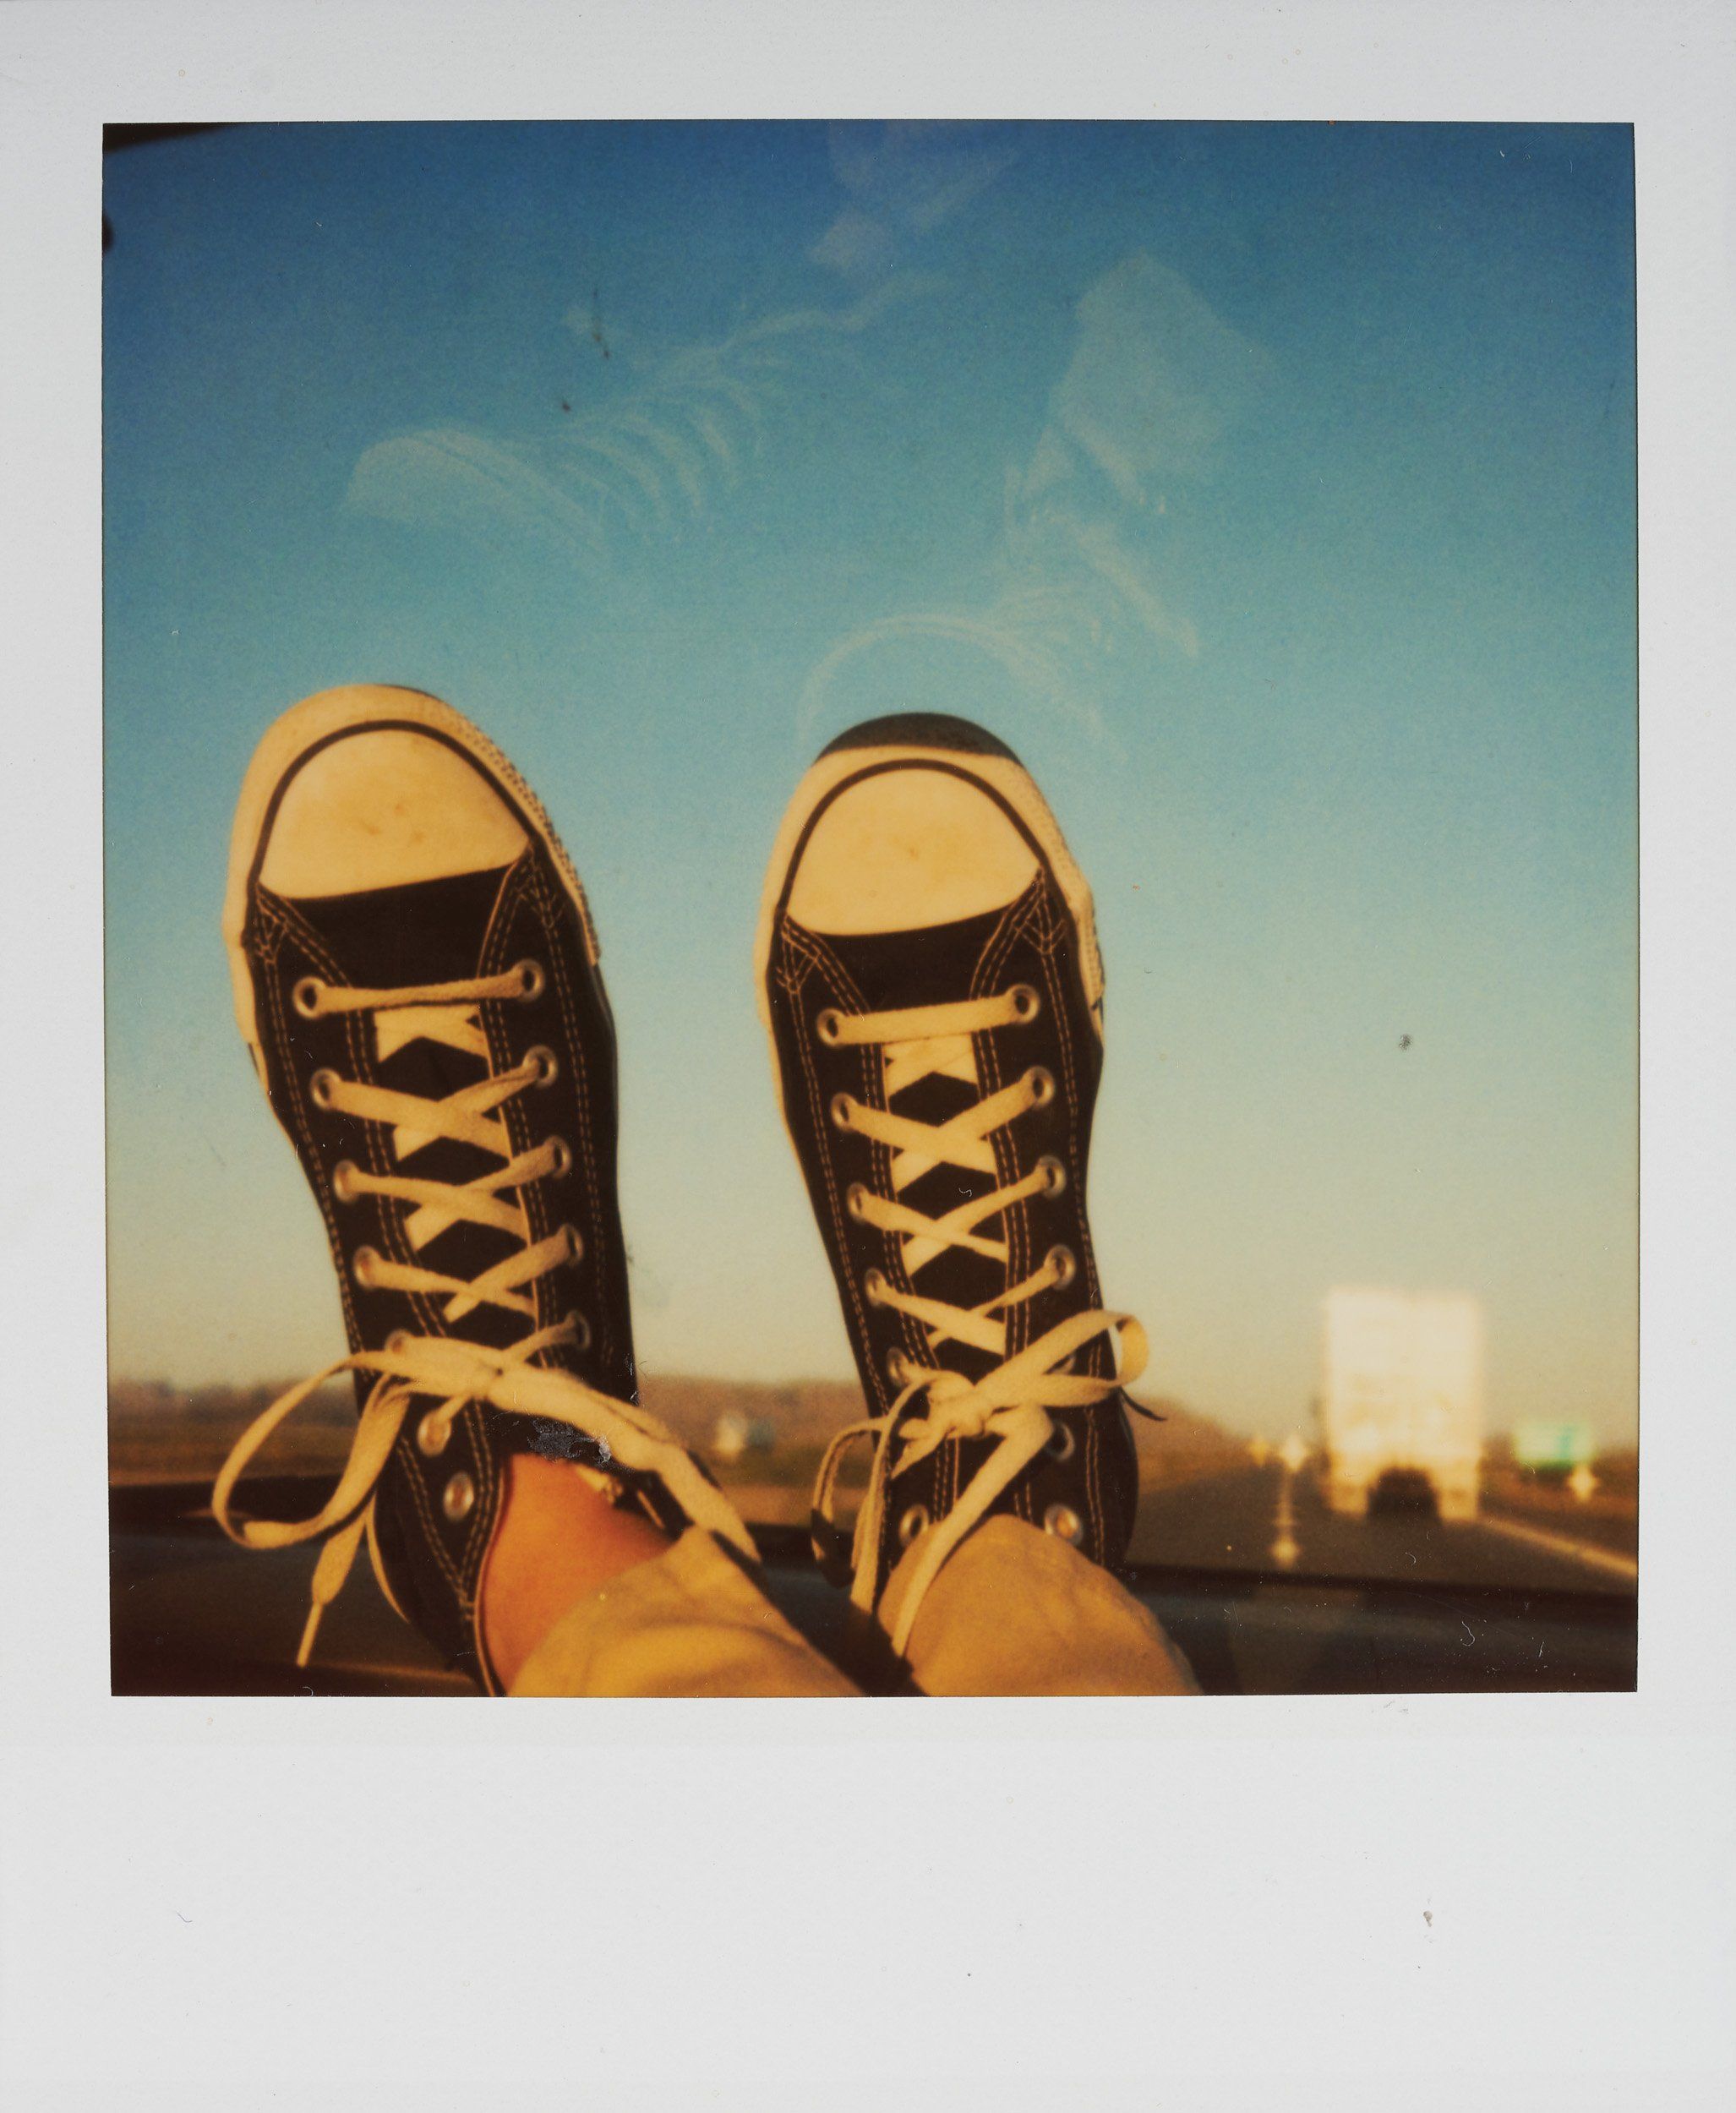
(1230, 1522)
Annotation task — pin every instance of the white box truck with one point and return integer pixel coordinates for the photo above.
(1401, 1396)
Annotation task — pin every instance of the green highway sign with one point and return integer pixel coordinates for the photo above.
(1540, 1444)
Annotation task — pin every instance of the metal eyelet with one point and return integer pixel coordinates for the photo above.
(898, 1368)
(916, 1521)
(544, 1069)
(398, 1342)
(855, 1200)
(458, 1496)
(1064, 1523)
(320, 1088)
(575, 1243)
(1041, 1085)
(842, 1105)
(433, 1433)
(1063, 1261)
(1054, 1174)
(873, 1288)
(582, 1331)
(531, 982)
(364, 1267)
(343, 1182)
(829, 1026)
(1063, 1444)
(305, 997)
(1026, 1003)
(563, 1158)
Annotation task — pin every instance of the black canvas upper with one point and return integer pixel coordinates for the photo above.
(1035, 941)
(921, 729)
(467, 926)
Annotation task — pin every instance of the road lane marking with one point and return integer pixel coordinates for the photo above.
(1559, 1544)
(1291, 1455)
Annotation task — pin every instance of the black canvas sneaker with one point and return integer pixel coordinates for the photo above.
(928, 974)
(416, 976)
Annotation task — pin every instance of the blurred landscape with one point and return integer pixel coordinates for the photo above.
(766, 1440)
(764, 1444)
(1237, 1552)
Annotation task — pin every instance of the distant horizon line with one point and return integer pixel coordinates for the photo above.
(1171, 1402)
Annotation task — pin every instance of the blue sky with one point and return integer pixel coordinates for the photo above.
(1270, 487)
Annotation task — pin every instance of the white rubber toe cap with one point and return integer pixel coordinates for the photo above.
(907, 848)
(383, 807)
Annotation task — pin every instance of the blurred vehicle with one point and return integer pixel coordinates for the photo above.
(1401, 1400)
(734, 1434)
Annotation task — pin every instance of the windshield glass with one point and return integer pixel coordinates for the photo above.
(1269, 489)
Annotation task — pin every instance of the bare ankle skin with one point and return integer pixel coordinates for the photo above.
(559, 1542)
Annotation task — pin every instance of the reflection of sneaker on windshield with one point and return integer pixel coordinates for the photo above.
(928, 971)
(416, 977)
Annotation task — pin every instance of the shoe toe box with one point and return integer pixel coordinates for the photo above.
(914, 845)
(385, 806)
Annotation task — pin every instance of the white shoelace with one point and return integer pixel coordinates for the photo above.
(1011, 1402)
(452, 1372)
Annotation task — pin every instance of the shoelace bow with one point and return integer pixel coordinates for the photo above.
(453, 1371)
(1012, 1401)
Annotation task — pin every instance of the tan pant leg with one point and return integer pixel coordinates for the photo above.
(1015, 1611)
(690, 1621)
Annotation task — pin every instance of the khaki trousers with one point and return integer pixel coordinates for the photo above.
(1013, 1612)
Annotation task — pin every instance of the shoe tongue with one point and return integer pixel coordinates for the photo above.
(933, 965)
(399, 938)
(387, 938)
(936, 965)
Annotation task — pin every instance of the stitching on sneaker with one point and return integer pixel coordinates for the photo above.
(424, 1507)
(581, 1083)
(303, 1130)
(816, 1107)
(990, 969)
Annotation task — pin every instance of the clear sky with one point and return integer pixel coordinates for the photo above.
(1271, 488)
